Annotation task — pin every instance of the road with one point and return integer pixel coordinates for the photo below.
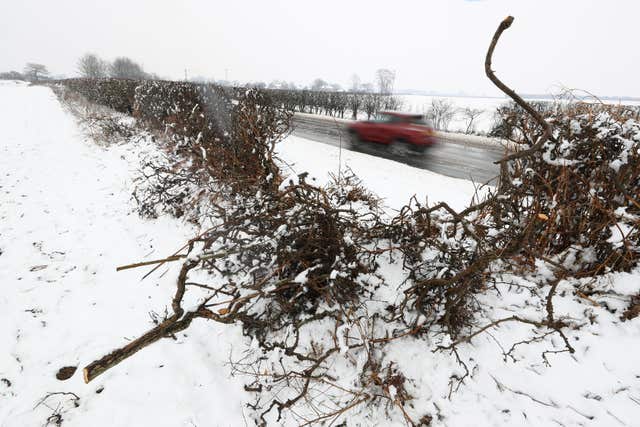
(450, 157)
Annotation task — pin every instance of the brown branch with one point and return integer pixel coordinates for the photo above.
(185, 246)
(168, 327)
(157, 261)
(175, 323)
(506, 23)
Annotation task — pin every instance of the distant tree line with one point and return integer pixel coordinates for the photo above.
(322, 97)
(335, 104)
(11, 75)
(363, 100)
(92, 66)
(32, 72)
(319, 97)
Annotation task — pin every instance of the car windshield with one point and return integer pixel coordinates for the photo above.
(386, 118)
(417, 120)
(392, 118)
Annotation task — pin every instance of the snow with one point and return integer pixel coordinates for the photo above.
(600, 380)
(483, 123)
(67, 221)
(395, 182)
(302, 277)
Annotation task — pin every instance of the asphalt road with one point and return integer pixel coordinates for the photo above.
(450, 157)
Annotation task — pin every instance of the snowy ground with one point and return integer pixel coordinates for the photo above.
(393, 181)
(67, 220)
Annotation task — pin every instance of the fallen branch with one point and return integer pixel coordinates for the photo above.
(168, 327)
(157, 261)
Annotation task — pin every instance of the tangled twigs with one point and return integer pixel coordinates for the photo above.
(102, 124)
(554, 325)
(304, 270)
(633, 310)
(65, 401)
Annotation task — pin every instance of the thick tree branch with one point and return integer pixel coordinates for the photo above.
(506, 23)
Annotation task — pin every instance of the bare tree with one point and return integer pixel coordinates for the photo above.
(11, 75)
(354, 102)
(441, 113)
(371, 104)
(390, 102)
(385, 80)
(470, 114)
(319, 84)
(35, 72)
(125, 68)
(91, 66)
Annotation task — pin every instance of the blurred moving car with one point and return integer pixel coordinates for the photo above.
(402, 133)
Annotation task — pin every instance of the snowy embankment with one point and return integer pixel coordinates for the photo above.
(67, 220)
(395, 182)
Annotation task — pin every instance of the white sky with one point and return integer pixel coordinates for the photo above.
(431, 44)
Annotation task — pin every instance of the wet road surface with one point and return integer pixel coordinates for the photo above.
(450, 157)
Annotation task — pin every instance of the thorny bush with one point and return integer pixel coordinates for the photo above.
(583, 185)
(215, 150)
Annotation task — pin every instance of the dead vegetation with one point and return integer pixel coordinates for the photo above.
(298, 266)
(102, 124)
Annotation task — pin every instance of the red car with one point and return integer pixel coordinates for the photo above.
(401, 132)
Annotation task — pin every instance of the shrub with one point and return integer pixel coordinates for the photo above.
(117, 94)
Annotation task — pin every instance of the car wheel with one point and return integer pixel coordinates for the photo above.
(354, 138)
(400, 148)
(419, 149)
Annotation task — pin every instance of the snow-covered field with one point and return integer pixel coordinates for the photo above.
(67, 221)
(483, 123)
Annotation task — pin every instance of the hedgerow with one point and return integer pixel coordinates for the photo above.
(300, 267)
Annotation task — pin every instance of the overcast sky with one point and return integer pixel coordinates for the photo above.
(431, 44)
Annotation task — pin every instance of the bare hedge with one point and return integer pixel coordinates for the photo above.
(297, 265)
